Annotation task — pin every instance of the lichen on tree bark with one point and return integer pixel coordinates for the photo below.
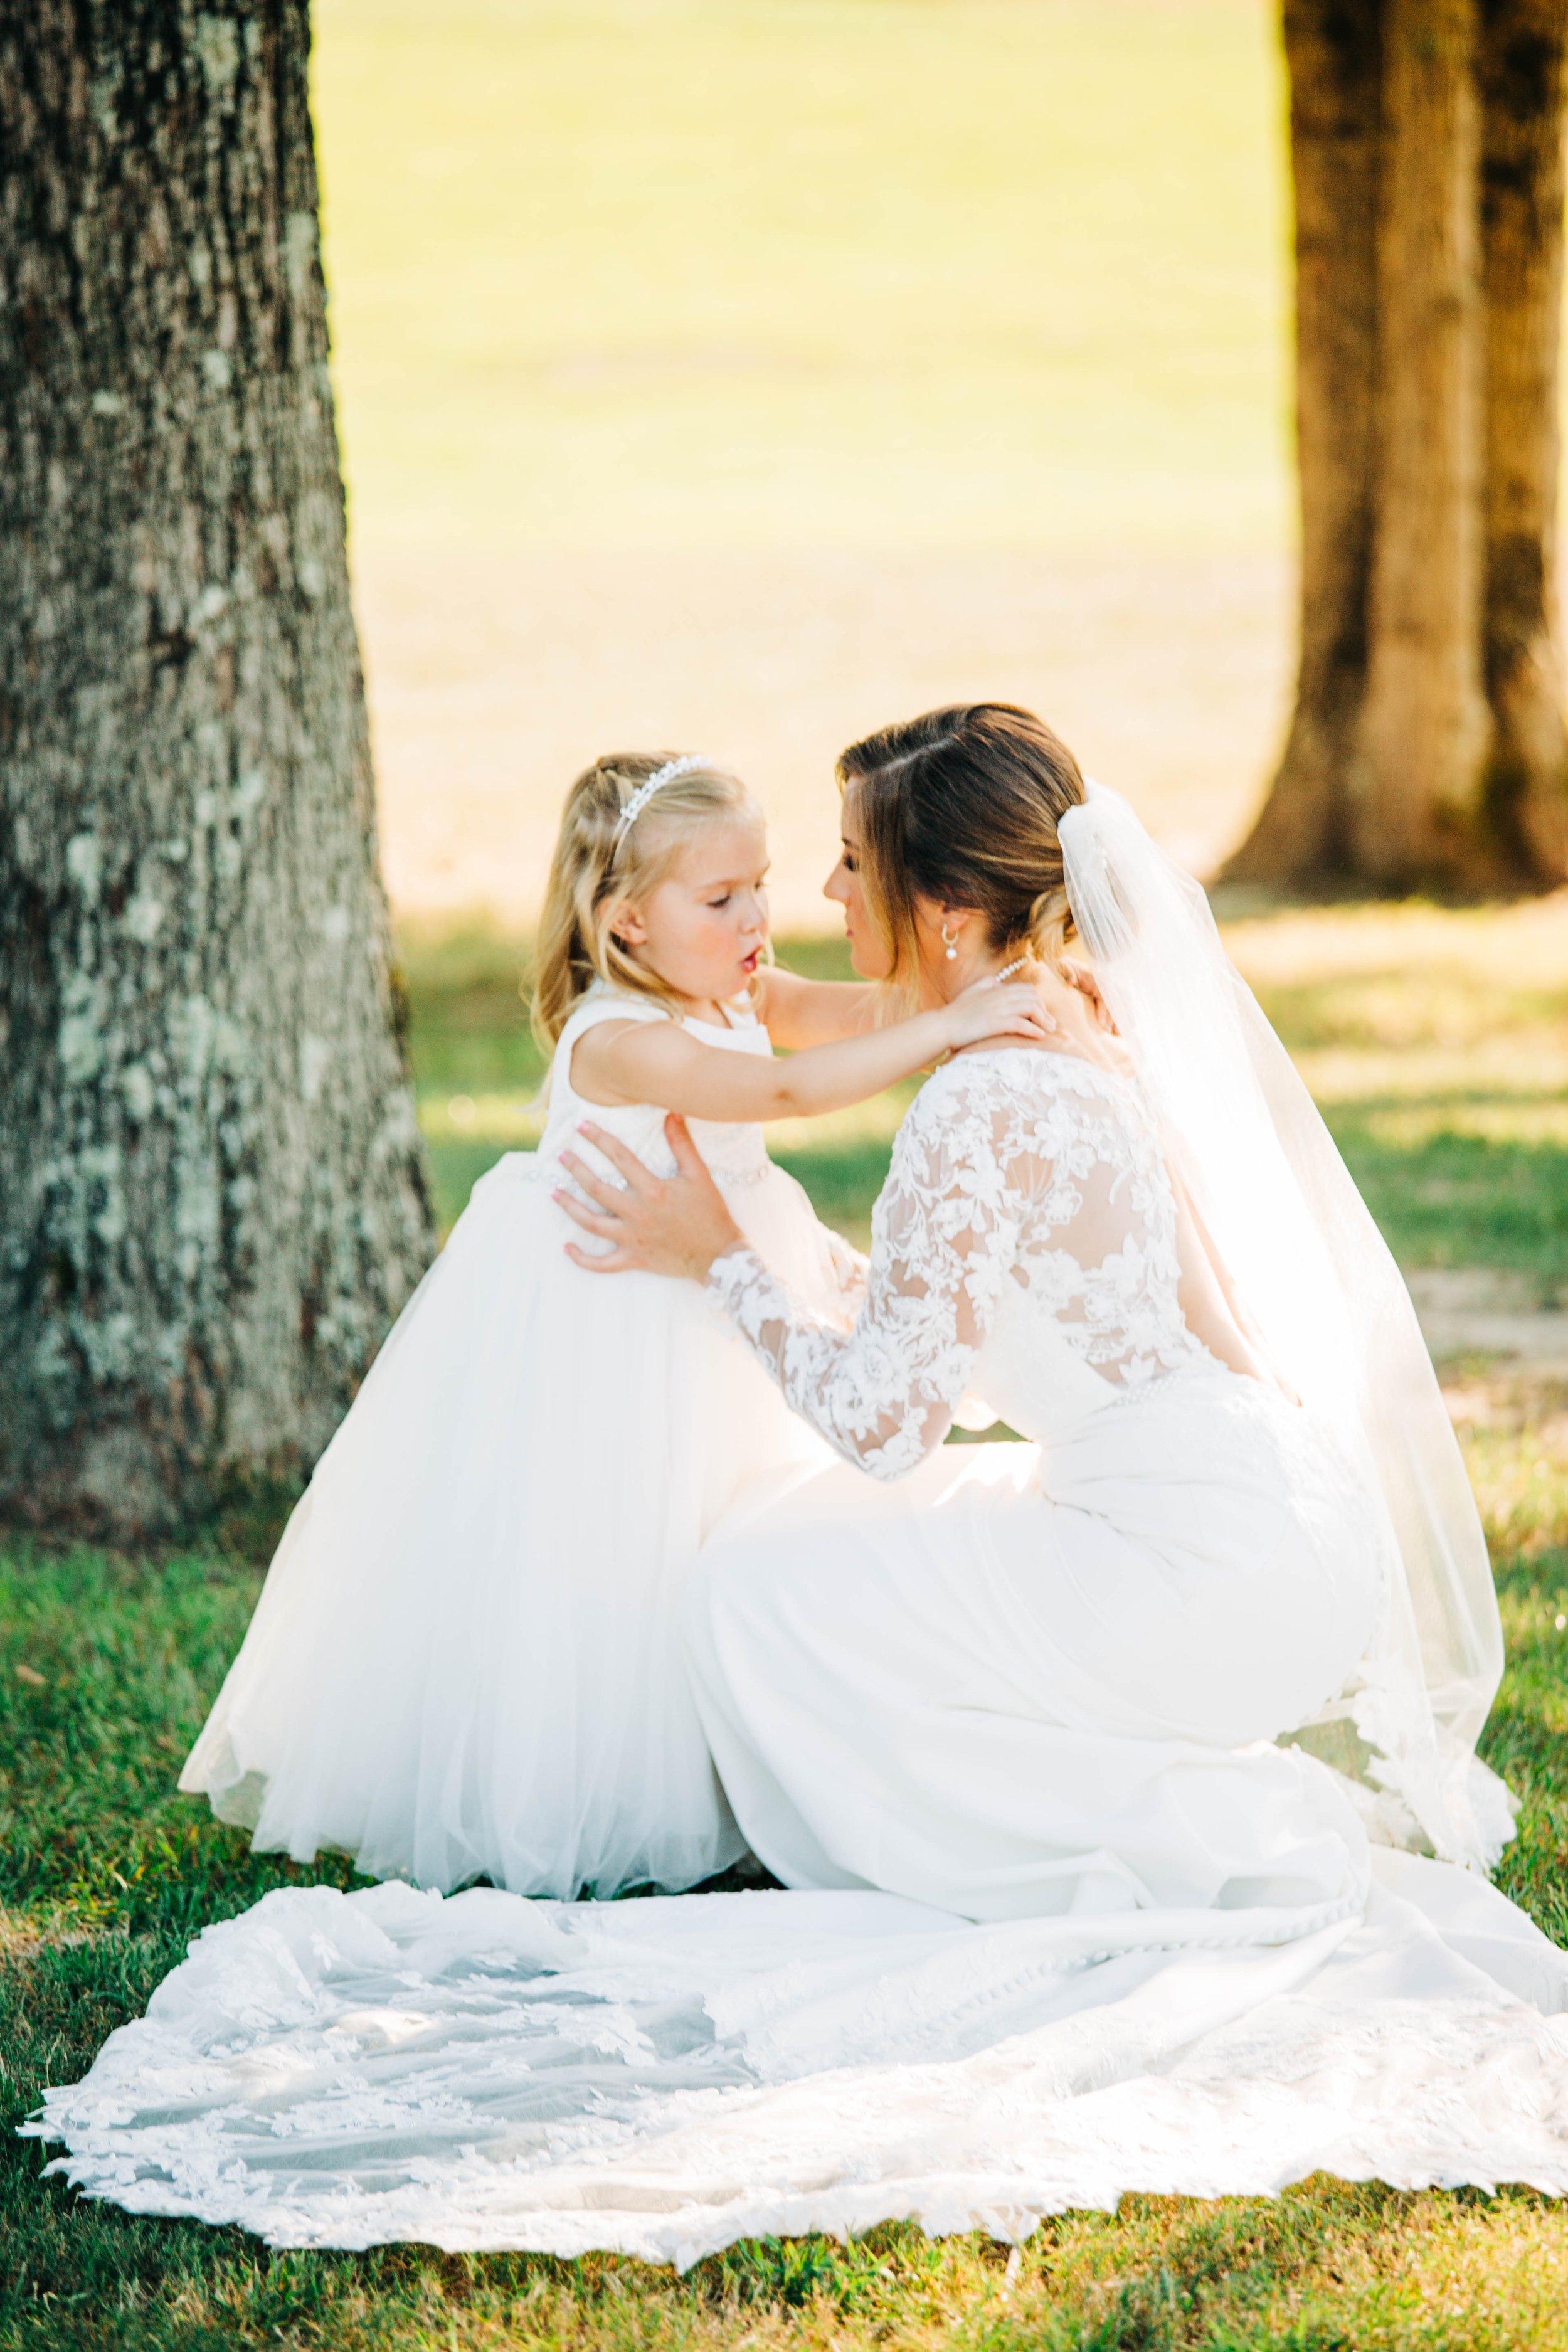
(212, 1195)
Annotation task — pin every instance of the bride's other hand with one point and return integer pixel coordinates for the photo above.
(1079, 976)
(656, 1225)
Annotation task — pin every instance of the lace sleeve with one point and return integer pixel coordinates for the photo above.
(849, 1267)
(943, 1234)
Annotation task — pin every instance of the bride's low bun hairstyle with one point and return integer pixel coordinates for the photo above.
(961, 806)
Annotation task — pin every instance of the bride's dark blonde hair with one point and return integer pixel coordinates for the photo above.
(961, 806)
(597, 864)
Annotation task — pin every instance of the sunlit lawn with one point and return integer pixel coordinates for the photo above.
(740, 373)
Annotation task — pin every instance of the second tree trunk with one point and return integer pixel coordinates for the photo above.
(1417, 773)
(1427, 745)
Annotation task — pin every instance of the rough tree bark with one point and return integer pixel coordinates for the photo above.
(1524, 46)
(1428, 743)
(211, 1197)
(1416, 781)
(1334, 55)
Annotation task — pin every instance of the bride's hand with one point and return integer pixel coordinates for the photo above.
(1079, 976)
(989, 1008)
(660, 1224)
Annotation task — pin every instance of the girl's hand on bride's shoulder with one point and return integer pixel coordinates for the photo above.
(991, 1008)
(656, 1225)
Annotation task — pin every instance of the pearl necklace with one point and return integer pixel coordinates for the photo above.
(1005, 973)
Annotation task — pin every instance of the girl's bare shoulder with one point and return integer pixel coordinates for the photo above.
(611, 1060)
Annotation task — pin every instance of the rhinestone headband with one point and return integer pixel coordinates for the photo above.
(646, 790)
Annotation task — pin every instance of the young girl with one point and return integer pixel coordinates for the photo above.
(463, 1662)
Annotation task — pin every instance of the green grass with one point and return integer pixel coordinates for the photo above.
(1446, 1198)
(1435, 1043)
(106, 1667)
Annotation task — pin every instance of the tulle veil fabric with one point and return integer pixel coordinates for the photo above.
(1334, 1315)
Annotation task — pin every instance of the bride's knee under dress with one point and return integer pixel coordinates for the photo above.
(1032, 1680)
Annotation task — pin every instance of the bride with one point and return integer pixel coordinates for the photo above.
(1120, 1783)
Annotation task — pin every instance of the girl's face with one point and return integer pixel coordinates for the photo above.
(702, 928)
(869, 952)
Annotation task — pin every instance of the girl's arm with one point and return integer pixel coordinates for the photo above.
(659, 1062)
(798, 1013)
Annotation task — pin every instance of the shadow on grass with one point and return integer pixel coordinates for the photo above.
(1448, 1198)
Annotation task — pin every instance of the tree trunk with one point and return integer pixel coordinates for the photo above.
(1335, 51)
(211, 1197)
(1428, 744)
(1416, 783)
(1522, 93)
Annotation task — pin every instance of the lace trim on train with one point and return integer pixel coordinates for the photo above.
(344, 2071)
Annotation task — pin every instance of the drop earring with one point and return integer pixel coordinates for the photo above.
(950, 942)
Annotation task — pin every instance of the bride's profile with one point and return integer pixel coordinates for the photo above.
(1120, 1783)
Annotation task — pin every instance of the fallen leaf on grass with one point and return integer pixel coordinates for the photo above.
(31, 1675)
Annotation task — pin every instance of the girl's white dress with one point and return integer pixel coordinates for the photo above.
(465, 1660)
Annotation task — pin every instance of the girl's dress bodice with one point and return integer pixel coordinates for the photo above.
(734, 1150)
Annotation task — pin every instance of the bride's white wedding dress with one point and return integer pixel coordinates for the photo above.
(1020, 1682)
(465, 1659)
(1069, 1912)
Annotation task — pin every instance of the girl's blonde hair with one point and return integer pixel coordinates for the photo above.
(961, 806)
(597, 864)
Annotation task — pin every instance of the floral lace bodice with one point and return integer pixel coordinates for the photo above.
(1024, 1248)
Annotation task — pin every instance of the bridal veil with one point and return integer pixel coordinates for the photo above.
(1335, 1320)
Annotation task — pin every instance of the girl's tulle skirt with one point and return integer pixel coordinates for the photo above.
(465, 1661)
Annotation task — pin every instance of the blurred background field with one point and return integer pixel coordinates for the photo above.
(745, 376)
